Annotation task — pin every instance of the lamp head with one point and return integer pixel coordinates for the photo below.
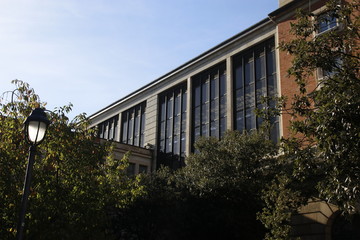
(35, 126)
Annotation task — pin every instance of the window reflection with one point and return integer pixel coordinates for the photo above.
(254, 78)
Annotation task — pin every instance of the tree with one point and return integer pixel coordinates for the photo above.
(215, 196)
(76, 183)
(322, 159)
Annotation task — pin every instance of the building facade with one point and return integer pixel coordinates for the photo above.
(214, 92)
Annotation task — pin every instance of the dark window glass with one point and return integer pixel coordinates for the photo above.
(212, 107)
(131, 169)
(257, 67)
(326, 21)
(143, 168)
(173, 124)
(133, 125)
(108, 129)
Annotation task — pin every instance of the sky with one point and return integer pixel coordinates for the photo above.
(92, 53)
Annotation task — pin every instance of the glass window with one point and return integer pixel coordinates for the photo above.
(143, 168)
(133, 125)
(326, 21)
(108, 129)
(257, 67)
(208, 112)
(173, 125)
(130, 171)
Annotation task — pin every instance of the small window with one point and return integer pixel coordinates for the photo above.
(330, 70)
(130, 171)
(326, 21)
(143, 168)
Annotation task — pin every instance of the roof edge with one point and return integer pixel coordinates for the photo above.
(186, 64)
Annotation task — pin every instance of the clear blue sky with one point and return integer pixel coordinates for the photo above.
(94, 52)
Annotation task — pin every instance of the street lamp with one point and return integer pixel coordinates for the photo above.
(35, 129)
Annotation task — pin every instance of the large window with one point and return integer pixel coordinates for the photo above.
(109, 128)
(133, 125)
(172, 125)
(254, 78)
(209, 103)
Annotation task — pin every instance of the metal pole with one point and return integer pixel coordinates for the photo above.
(26, 192)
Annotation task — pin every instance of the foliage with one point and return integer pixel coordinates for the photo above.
(215, 196)
(322, 159)
(76, 182)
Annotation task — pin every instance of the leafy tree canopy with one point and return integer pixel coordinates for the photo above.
(215, 196)
(322, 160)
(76, 182)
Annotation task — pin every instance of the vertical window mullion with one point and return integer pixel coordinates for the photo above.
(133, 128)
(165, 121)
(173, 122)
(128, 125)
(219, 103)
(243, 89)
(180, 119)
(140, 122)
(209, 104)
(254, 93)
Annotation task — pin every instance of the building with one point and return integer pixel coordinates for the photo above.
(211, 93)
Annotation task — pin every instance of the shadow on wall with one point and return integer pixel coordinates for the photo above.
(322, 221)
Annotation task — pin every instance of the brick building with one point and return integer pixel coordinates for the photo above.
(216, 91)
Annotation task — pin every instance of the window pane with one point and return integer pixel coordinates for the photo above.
(222, 126)
(162, 110)
(239, 99)
(177, 104)
(238, 75)
(197, 116)
(176, 145)
(130, 171)
(275, 130)
(184, 102)
(222, 84)
(183, 123)
(162, 146)
(111, 129)
(272, 86)
(205, 130)
(240, 120)
(249, 96)
(223, 106)
(205, 113)
(183, 144)
(270, 61)
(141, 141)
(249, 75)
(169, 107)
(197, 95)
(214, 110)
(116, 128)
(214, 88)
(101, 130)
(260, 90)
(177, 125)
(168, 145)
(260, 66)
(196, 133)
(143, 115)
(250, 119)
(204, 92)
(124, 129)
(168, 130)
(214, 128)
(143, 169)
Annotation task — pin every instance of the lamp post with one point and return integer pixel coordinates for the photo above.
(35, 129)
